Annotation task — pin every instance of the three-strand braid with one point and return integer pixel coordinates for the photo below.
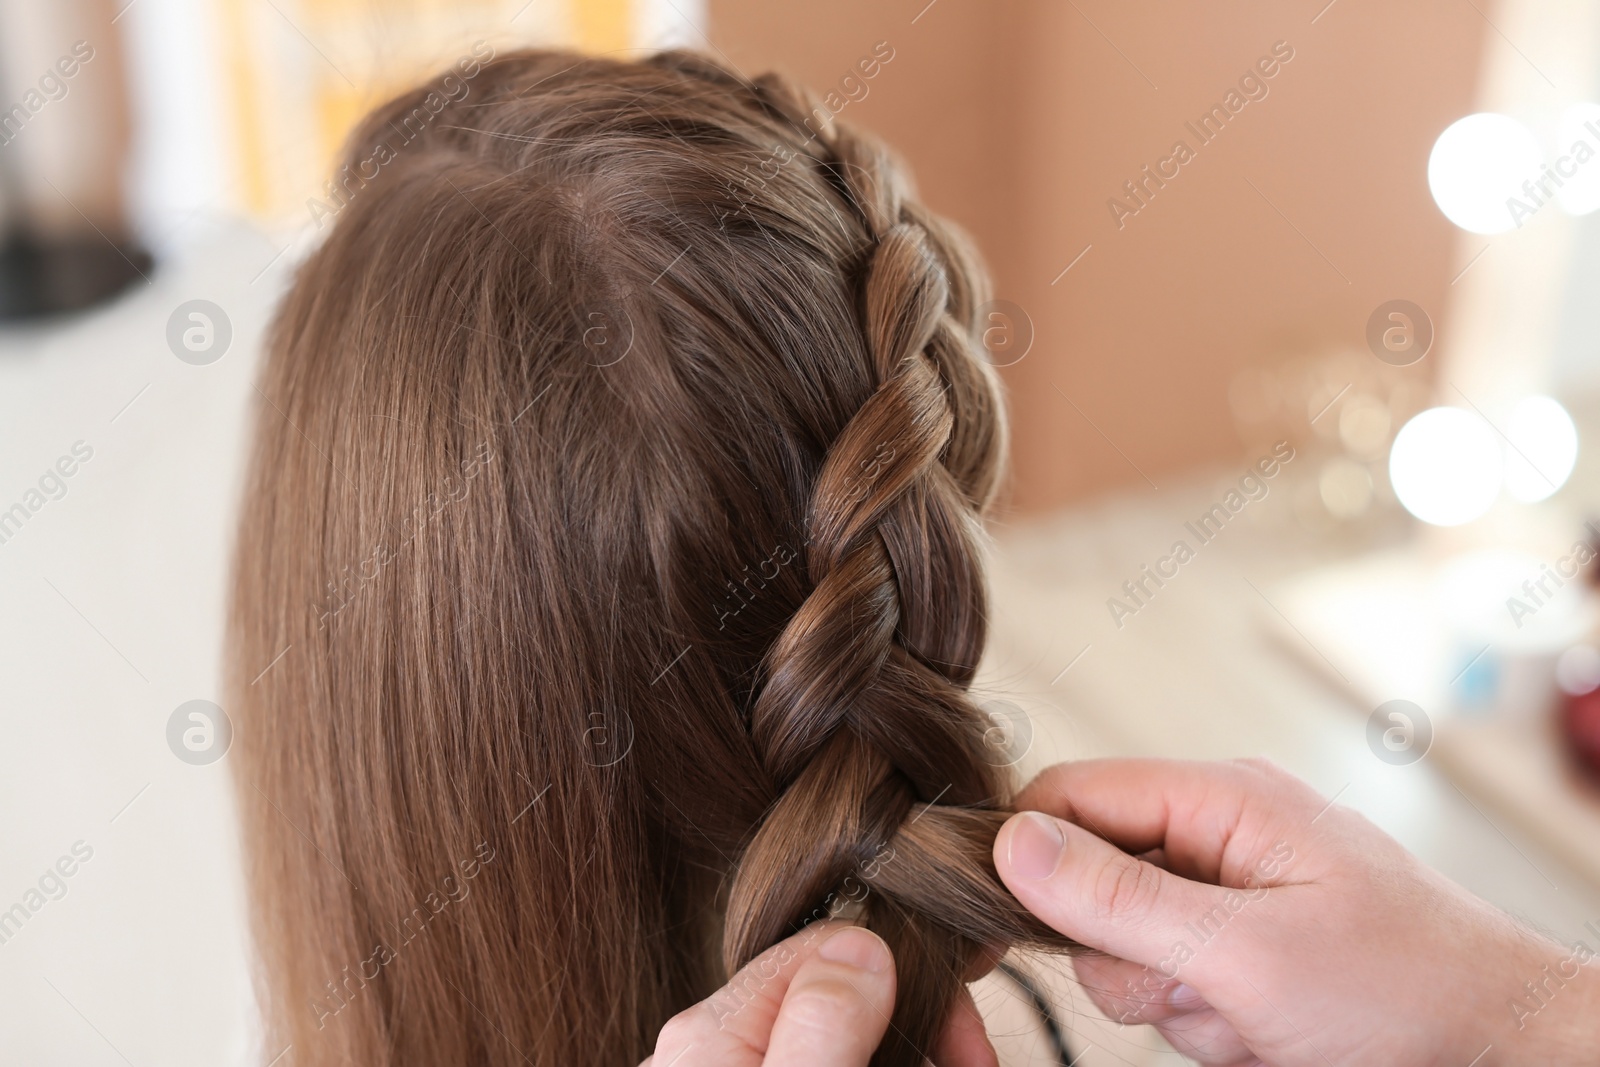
(864, 722)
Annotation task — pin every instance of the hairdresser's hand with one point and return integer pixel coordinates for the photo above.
(1333, 947)
(820, 999)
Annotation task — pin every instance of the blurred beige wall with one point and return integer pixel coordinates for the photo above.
(1023, 118)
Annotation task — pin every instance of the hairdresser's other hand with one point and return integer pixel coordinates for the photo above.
(820, 999)
(1263, 925)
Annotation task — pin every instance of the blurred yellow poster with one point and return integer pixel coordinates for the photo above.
(296, 75)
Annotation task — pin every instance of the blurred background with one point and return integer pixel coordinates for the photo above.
(1294, 305)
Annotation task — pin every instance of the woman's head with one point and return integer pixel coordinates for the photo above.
(613, 509)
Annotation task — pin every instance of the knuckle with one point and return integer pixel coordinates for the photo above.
(1275, 785)
(1124, 886)
(681, 1031)
(1262, 766)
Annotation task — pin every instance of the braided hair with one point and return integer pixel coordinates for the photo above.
(685, 652)
(864, 722)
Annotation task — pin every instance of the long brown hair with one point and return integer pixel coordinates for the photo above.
(607, 591)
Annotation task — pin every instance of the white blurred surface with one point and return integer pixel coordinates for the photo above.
(113, 606)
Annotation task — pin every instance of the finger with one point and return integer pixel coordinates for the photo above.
(964, 1041)
(1127, 992)
(1133, 995)
(838, 1004)
(1205, 1037)
(732, 1027)
(1191, 810)
(1093, 892)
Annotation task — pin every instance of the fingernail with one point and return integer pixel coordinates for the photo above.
(858, 948)
(1035, 846)
(1184, 998)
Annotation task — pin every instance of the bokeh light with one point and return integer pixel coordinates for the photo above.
(1445, 466)
(1345, 487)
(1544, 448)
(1578, 670)
(1364, 425)
(1580, 190)
(1477, 165)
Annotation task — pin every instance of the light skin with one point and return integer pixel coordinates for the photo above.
(1351, 951)
(822, 998)
(1250, 922)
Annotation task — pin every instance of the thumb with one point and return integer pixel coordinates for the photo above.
(1099, 895)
